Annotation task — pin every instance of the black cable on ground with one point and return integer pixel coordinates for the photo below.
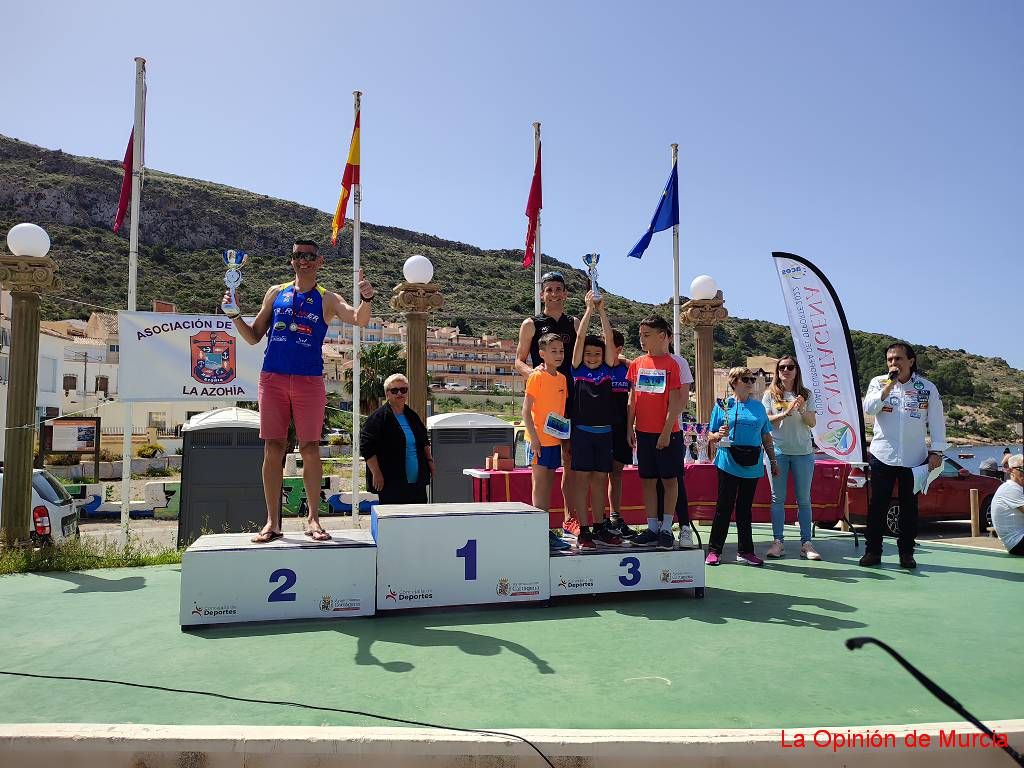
(933, 688)
(296, 704)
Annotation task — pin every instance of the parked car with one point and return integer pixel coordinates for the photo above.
(450, 387)
(54, 516)
(948, 497)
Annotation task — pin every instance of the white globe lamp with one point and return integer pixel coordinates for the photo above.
(418, 269)
(703, 288)
(28, 240)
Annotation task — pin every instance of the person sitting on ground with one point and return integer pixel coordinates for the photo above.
(1007, 507)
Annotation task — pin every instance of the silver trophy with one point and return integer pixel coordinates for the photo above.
(702, 443)
(724, 404)
(590, 260)
(234, 261)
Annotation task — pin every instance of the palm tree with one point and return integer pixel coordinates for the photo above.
(377, 362)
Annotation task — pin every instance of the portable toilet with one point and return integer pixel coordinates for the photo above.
(459, 441)
(221, 474)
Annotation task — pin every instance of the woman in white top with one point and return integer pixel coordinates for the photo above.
(791, 415)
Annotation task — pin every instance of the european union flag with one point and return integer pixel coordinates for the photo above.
(666, 215)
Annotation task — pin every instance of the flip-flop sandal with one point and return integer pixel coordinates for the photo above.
(265, 537)
(319, 534)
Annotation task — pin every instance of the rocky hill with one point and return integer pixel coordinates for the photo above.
(186, 223)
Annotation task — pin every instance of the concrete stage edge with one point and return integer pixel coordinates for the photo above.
(162, 746)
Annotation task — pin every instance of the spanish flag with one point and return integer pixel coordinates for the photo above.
(350, 177)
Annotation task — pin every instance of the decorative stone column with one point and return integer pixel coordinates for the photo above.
(416, 301)
(704, 315)
(26, 277)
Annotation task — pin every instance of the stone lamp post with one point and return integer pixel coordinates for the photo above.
(704, 311)
(416, 298)
(26, 274)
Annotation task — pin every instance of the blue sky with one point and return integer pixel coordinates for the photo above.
(881, 140)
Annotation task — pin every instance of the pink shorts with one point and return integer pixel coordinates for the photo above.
(283, 397)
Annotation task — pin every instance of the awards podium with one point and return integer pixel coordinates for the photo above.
(413, 556)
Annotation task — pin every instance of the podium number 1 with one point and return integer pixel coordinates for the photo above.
(469, 552)
(281, 594)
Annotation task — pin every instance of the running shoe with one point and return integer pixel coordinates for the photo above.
(646, 538)
(606, 538)
(618, 526)
(665, 540)
(557, 543)
(685, 535)
(808, 552)
(571, 526)
(749, 558)
(712, 559)
(778, 549)
(585, 541)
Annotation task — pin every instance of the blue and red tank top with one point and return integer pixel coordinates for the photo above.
(297, 330)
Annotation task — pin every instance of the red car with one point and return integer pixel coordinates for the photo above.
(948, 497)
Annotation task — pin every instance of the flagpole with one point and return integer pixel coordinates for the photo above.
(536, 245)
(356, 338)
(138, 144)
(675, 270)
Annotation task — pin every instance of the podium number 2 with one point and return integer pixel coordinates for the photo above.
(281, 594)
(469, 552)
(632, 577)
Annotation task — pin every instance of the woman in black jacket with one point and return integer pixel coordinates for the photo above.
(396, 448)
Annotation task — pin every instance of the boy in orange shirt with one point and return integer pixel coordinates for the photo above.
(544, 417)
(652, 427)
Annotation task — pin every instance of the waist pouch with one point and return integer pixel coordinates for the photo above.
(745, 455)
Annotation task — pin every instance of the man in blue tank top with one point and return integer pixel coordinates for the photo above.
(294, 318)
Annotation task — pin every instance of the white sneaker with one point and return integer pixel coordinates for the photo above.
(777, 549)
(808, 552)
(685, 536)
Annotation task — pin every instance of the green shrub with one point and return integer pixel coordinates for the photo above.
(150, 451)
(64, 460)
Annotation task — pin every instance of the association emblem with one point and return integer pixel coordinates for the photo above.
(504, 587)
(213, 355)
(841, 437)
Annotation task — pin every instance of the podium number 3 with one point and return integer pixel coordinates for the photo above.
(469, 552)
(632, 577)
(281, 594)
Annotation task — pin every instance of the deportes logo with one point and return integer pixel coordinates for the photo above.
(391, 595)
(212, 356)
(841, 438)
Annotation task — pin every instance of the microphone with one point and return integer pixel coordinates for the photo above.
(854, 643)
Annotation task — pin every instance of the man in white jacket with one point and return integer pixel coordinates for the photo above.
(907, 408)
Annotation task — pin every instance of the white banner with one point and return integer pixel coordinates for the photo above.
(166, 356)
(821, 338)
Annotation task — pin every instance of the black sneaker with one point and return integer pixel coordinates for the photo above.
(665, 540)
(605, 537)
(869, 559)
(908, 562)
(619, 528)
(646, 538)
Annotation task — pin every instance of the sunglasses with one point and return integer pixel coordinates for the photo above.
(748, 379)
(305, 256)
(787, 367)
(399, 390)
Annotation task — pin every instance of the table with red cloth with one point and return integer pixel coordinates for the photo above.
(828, 492)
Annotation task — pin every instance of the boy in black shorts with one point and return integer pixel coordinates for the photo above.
(591, 435)
(652, 425)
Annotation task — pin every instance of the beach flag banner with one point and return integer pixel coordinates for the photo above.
(824, 349)
(666, 215)
(533, 208)
(350, 177)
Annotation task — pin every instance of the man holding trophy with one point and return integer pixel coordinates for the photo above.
(294, 317)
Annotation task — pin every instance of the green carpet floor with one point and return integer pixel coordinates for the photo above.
(764, 649)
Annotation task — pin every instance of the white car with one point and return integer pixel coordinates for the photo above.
(54, 516)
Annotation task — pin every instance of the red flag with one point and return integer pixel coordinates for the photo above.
(126, 184)
(533, 206)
